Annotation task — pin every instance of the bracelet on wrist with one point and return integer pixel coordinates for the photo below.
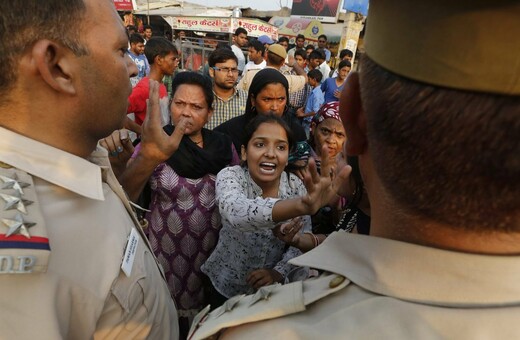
(315, 239)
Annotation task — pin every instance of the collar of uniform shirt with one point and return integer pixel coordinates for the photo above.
(417, 273)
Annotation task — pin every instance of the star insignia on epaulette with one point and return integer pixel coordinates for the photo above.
(262, 293)
(15, 202)
(13, 183)
(227, 306)
(17, 226)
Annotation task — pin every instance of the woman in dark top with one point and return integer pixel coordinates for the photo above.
(268, 94)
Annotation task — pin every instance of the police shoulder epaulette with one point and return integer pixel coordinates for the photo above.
(24, 243)
(268, 302)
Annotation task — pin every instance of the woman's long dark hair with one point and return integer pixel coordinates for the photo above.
(253, 125)
(260, 80)
(258, 120)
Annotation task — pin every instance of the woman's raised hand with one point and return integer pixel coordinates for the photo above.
(322, 188)
(155, 143)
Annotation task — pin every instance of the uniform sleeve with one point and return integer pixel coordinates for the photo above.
(296, 83)
(236, 208)
(246, 68)
(242, 84)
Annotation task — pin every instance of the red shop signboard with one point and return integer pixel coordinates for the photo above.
(124, 5)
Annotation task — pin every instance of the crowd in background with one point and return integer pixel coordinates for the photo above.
(247, 126)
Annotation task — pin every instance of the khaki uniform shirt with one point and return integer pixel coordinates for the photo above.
(296, 83)
(60, 269)
(383, 289)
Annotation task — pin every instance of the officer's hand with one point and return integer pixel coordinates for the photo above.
(156, 145)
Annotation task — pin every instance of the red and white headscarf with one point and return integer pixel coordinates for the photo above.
(329, 110)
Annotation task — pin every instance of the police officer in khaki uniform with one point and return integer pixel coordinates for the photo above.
(74, 262)
(434, 117)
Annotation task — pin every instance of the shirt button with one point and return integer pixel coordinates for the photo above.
(336, 281)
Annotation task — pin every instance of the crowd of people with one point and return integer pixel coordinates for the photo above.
(240, 148)
(274, 194)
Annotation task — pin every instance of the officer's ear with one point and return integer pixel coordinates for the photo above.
(55, 64)
(353, 116)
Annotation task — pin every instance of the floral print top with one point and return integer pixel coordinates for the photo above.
(246, 242)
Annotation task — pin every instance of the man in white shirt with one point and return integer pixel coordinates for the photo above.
(324, 66)
(239, 41)
(256, 56)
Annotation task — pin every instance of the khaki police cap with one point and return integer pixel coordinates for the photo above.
(462, 44)
(279, 50)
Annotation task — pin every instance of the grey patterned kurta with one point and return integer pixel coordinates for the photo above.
(246, 242)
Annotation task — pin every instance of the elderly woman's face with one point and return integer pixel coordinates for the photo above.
(189, 103)
(331, 133)
(271, 100)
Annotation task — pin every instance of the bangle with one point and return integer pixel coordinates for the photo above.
(315, 239)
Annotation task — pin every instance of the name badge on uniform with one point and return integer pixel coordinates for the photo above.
(131, 249)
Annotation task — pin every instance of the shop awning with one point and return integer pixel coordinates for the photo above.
(311, 29)
(125, 5)
(254, 27)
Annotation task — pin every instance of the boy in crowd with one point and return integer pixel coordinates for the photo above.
(163, 59)
(345, 54)
(239, 41)
(136, 53)
(322, 43)
(316, 58)
(300, 42)
(147, 34)
(314, 101)
(284, 41)
(324, 66)
(256, 56)
(299, 98)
